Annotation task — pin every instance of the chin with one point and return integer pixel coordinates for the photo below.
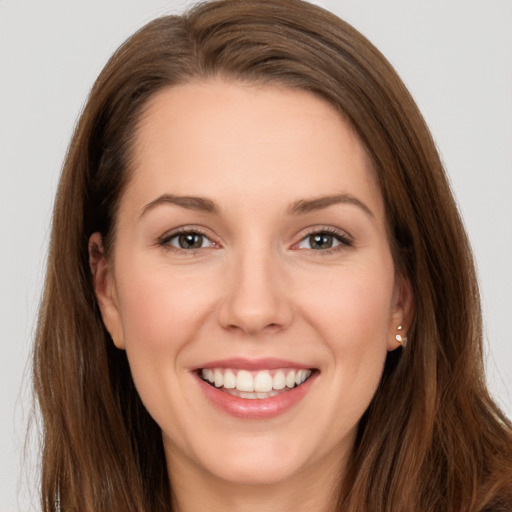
(256, 469)
(256, 459)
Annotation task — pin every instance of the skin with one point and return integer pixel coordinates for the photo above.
(256, 288)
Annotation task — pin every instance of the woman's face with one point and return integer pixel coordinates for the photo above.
(251, 251)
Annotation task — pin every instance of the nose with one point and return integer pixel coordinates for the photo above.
(255, 298)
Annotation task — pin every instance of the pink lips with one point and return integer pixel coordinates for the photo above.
(257, 409)
(239, 363)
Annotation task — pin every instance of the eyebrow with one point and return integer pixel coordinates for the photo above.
(189, 202)
(319, 203)
(300, 207)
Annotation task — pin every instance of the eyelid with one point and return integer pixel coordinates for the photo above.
(346, 240)
(163, 240)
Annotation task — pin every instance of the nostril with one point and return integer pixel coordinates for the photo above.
(273, 327)
(254, 328)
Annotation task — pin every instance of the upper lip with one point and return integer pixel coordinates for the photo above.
(240, 363)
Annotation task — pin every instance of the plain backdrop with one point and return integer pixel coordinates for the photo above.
(455, 56)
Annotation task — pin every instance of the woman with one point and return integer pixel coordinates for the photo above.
(259, 294)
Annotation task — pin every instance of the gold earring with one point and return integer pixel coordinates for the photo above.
(401, 340)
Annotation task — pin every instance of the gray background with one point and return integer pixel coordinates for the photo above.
(455, 56)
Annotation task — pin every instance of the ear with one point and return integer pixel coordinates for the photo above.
(402, 311)
(105, 289)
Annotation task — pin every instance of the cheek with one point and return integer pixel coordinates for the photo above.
(353, 318)
(355, 308)
(160, 308)
(160, 312)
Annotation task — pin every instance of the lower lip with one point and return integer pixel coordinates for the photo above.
(257, 408)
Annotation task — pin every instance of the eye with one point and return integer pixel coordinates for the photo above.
(324, 241)
(187, 240)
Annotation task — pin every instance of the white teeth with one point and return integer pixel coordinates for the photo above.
(208, 375)
(258, 385)
(218, 378)
(290, 379)
(304, 374)
(301, 376)
(229, 380)
(279, 380)
(244, 381)
(263, 382)
(250, 396)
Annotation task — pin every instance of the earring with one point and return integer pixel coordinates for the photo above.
(401, 340)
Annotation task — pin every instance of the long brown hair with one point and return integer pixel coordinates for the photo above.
(432, 439)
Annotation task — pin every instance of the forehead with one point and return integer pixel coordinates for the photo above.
(217, 137)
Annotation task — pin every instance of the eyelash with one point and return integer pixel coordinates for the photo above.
(165, 240)
(344, 240)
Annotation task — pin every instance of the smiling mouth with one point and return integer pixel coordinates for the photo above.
(255, 384)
